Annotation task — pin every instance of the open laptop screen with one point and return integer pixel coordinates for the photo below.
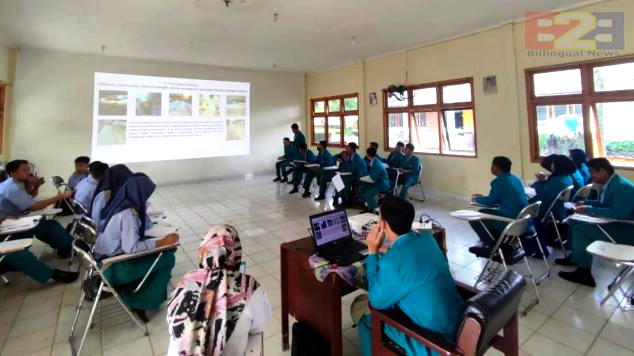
(330, 227)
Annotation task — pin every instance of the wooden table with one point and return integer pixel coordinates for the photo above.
(316, 303)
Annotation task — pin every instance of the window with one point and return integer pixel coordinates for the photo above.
(335, 119)
(583, 105)
(438, 118)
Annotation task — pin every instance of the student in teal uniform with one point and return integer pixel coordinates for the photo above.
(125, 223)
(393, 160)
(425, 292)
(374, 145)
(326, 176)
(580, 158)
(298, 137)
(369, 192)
(615, 202)
(357, 167)
(547, 188)
(506, 198)
(284, 160)
(308, 157)
(409, 166)
(324, 159)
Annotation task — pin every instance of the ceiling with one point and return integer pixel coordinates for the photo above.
(309, 34)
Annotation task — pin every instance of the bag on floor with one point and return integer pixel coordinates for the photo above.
(308, 342)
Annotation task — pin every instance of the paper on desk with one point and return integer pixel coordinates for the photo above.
(298, 161)
(594, 220)
(14, 245)
(311, 165)
(45, 212)
(331, 168)
(160, 231)
(530, 192)
(338, 182)
(343, 174)
(569, 205)
(12, 226)
(366, 179)
(465, 214)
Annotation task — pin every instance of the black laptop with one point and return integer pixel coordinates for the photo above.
(333, 240)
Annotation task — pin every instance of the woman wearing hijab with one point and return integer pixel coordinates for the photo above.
(123, 232)
(108, 186)
(580, 159)
(547, 188)
(213, 309)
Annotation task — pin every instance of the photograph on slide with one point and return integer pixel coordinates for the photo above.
(209, 105)
(180, 104)
(113, 103)
(148, 104)
(236, 105)
(236, 129)
(112, 132)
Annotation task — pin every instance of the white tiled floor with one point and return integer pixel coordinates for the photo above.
(35, 319)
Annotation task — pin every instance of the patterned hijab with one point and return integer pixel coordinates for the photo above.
(204, 309)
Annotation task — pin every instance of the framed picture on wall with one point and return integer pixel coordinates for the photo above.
(489, 84)
(372, 98)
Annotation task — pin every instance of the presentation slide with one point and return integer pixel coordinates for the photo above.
(143, 119)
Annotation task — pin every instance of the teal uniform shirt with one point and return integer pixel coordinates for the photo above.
(585, 173)
(411, 163)
(307, 156)
(425, 292)
(616, 200)
(577, 181)
(359, 168)
(378, 173)
(325, 159)
(394, 159)
(289, 152)
(547, 192)
(507, 192)
(298, 139)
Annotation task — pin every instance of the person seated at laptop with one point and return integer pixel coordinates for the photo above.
(374, 145)
(410, 168)
(324, 159)
(506, 198)
(353, 164)
(547, 188)
(425, 292)
(284, 161)
(215, 308)
(108, 186)
(123, 232)
(304, 157)
(17, 196)
(85, 190)
(615, 202)
(369, 191)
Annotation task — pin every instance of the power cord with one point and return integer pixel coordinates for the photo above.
(429, 219)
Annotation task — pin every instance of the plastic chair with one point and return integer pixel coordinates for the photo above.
(584, 192)
(619, 254)
(549, 216)
(418, 187)
(484, 316)
(96, 269)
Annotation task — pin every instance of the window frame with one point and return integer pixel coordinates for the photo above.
(440, 108)
(342, 113)
(588, 99)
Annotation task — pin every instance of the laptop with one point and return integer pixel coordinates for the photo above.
(332, 238)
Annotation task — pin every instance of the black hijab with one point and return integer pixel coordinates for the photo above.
(112, 180)
(578, 156)
(133, 195)
(563, 166)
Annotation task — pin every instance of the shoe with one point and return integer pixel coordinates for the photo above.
(289, 182)
(580, 275)
(91, 287)
(481, 249)
(295, 190)
(142, 315)
(321, 197)
(284, 180)
(366, 211)
(64, 276)
(306, 194)
(277, 179)
(566, 261)
(64, 253)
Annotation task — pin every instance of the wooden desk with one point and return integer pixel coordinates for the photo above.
(317, 303)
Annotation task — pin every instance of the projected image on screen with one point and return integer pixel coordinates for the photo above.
(209, 105)
(113, 103)
(148, 104)
(111, 132)
(169, 118)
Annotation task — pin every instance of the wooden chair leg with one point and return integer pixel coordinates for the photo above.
(511, 337)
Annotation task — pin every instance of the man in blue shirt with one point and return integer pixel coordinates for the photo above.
(16, 197)
(85, 190)
(81, 171)
(304, 157)
(393, 160)
(324, 159)
(410, 168)
(377, 180)
(298, 137)
(506, 198)
(284, 160)
(615, 202)
(425, 292)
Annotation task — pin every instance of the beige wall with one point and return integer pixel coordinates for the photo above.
(501, 119)
(54, 101)
(7, 76)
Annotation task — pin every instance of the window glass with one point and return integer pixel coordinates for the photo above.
(459, 130)
(393, 102)
(334, 130)
(351, 132)
(460, 93)
(398, 128)
(559, 128)
(564, 82)
(614, 77)
(425, 96)
(616, 128)
(320, 128)
(425, 132)
(351, 103)
(334, 105)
